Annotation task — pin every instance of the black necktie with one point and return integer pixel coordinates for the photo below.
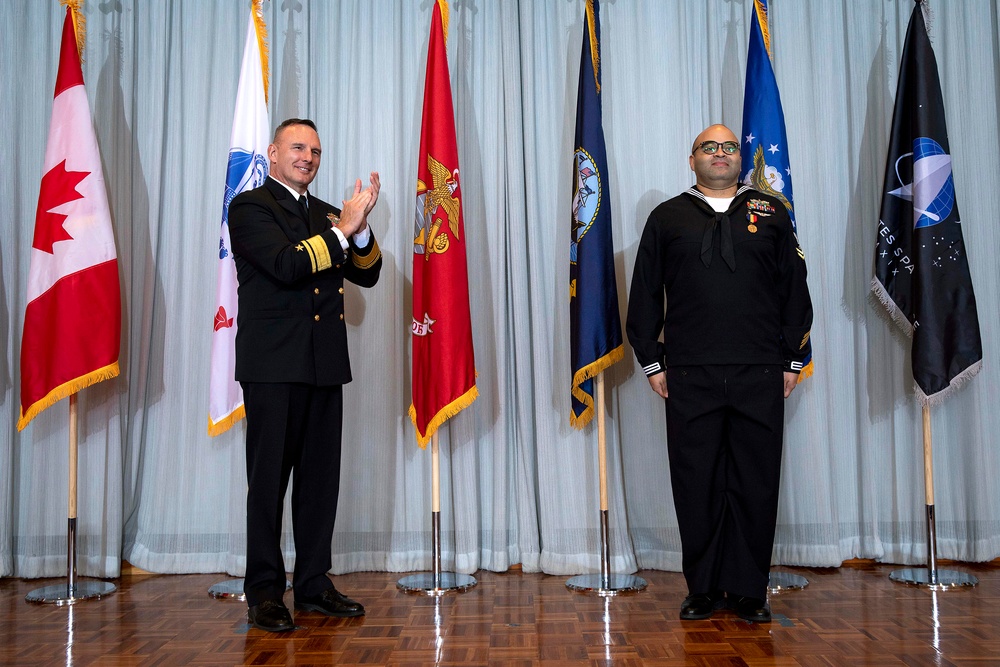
(726, 241)
(304, 207)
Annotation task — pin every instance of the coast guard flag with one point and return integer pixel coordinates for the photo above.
(248, 166)
(444, 373)
(921, 267)
(72, 323)
(765, 147)
(595, 324)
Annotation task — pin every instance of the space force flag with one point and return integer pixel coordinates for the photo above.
(72, 323)
(594, 321)
(921, 267)
(444, 373)
(247, 169)
(766, 166)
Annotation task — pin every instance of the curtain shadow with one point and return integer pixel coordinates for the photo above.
(141, 382)
(356, 298)
(637, 464)
(561, 402)
(473, 181)
(882, 373)
(6, 340)
(732, 82)
(8, 450)
(286, 103)
(619, 373)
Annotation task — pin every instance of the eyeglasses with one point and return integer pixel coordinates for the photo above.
(711, 147)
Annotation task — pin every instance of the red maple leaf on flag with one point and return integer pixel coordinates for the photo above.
(58, 188)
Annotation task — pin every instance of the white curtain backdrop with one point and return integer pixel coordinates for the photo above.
(519, 485)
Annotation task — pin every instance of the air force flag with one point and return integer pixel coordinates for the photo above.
(921, 267)
(764, 145)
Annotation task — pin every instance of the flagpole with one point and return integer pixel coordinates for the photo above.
(436, 509)
(436, 582)
(72, 591)
(929, 495)
(602, 457)
(931, 577)
(604, 584)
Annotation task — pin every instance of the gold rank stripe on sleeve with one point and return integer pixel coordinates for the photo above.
(363, 262)
(319, 253)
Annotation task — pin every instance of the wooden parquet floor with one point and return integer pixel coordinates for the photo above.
(852, 615)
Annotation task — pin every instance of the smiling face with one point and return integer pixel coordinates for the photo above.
(717, 171)
(295, 156)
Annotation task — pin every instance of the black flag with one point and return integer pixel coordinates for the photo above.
(921, 267)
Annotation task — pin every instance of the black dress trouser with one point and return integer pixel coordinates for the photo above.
(724, 435)
(292, 430)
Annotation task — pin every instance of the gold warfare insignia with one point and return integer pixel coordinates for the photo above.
(439, 198)
(765, 178)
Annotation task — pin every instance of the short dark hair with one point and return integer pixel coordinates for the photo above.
(293, 121)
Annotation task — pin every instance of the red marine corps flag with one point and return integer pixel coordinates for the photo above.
(72, 323)
(444, 374)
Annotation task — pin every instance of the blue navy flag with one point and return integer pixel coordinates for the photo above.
(595, 325)
(764, 145)
(921, 267)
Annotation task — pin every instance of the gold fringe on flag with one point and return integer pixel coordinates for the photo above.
(443, 415)
(226, 423)
(261, 28)
(66, 389)
(443, 4)
(79, 23)
(595, 55)
(765, 30)
(591, 370)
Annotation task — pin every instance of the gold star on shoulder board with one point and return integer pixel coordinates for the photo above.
(299, 247)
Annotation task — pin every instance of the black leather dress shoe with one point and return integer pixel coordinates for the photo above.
(271, 615)
(754, 610)
(332, 603)
(698, 606)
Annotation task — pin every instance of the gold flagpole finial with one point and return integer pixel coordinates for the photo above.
(79, 23)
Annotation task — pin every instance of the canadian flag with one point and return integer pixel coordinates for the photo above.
(72, 323)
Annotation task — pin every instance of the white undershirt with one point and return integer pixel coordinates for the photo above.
(720, 204)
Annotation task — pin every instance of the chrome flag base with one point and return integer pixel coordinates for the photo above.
(64, 594)
(785, 581)
(610, 586)
(936, 580)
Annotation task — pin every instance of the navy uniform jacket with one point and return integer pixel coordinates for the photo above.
(291, 288)
(757, 313)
